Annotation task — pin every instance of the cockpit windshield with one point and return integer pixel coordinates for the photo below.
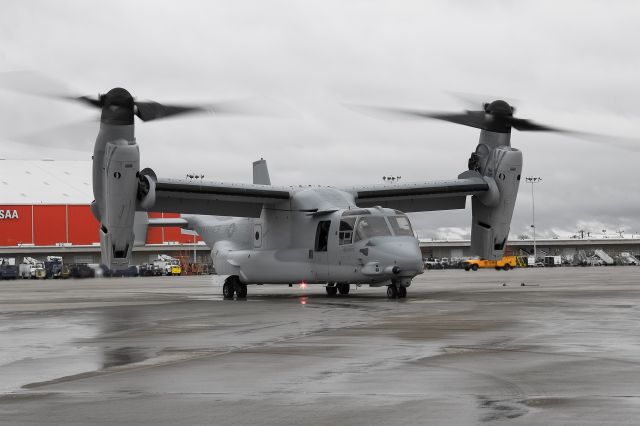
(401, 225)
(371, 226)
(360, 224)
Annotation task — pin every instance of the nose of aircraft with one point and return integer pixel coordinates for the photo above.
(403, 252)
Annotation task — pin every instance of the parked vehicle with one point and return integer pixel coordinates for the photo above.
(432, 263)
(131, 271)
(32, 268)
(8, 268)
(149, 270)
(53, 267)
(553, 261)
(82, 270)
(506, 263)
(168, 265)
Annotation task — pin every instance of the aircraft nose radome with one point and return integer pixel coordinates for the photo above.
(410, 258)
(405, 254)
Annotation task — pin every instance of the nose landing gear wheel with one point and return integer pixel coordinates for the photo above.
(392, 291)
(332, 291)
(343, 289)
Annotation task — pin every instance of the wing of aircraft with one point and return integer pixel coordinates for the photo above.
(215, 198)
(422, 196)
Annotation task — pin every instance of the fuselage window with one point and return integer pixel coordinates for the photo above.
(345, 235)
(322, 235)
(401, 225)
(372, 226)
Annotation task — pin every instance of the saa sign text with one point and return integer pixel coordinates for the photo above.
(8, 214)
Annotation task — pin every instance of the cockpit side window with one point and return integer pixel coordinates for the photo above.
(345, 235)
(372, 226)
(401, 225)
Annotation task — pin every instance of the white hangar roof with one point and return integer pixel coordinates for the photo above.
(45, 182)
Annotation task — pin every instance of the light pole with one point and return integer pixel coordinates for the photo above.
(195, 259)
(391, 179)
(194, 176)
(532, 180)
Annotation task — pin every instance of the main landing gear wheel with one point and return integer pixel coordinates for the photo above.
(392, 291)
(227, 290)
(241, 291)
(343, 289)
(402, 292)
(233, 285)
(331, 290)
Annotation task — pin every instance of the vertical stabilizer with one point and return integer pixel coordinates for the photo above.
(261, 172)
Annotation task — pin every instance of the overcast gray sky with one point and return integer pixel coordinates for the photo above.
(573, 64)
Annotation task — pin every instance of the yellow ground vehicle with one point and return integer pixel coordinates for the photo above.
(505, 263)
(176, 269)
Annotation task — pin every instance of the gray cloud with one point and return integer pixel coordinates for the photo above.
(571, 64)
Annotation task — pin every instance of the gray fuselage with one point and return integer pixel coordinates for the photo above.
(318, 236)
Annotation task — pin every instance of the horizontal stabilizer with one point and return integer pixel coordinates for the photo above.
(169, 221)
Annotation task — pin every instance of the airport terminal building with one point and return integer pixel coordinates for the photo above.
(544, 247)
(45, 210)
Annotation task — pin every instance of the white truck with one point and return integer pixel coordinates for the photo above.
(168, 265)
(32, 268)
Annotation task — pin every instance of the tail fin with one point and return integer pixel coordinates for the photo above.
(261, 173)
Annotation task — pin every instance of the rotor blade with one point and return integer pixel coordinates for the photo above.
(387, 112)
(476, 119)
(35, 84)
(628, 144)
(150, 110)
(77, 136)
(523, 125)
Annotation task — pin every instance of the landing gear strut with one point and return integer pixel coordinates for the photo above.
(233, 285)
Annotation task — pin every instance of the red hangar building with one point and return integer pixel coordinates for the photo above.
(45, 210)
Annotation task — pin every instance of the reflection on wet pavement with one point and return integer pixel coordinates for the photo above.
(461, 349)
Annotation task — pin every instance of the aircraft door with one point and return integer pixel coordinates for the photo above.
(320, 251)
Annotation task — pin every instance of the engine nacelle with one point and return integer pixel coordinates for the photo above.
(500, 165)
(146, 189)
(120, 187)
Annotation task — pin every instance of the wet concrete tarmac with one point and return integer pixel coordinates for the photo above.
(461, 349)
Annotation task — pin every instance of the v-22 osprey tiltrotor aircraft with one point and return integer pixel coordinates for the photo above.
(334, 236)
